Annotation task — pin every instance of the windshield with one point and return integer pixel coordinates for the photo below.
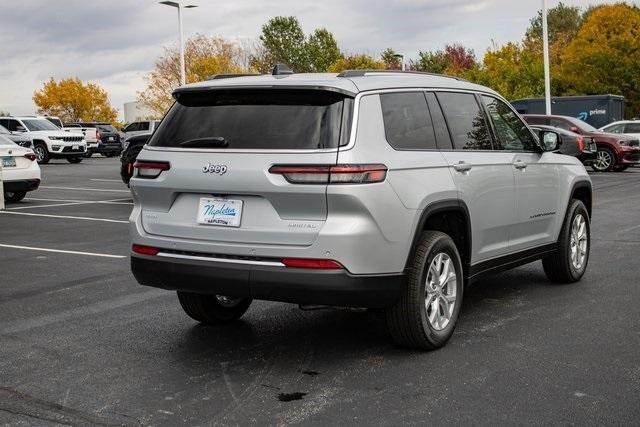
(4, 141)
(39, 124)
(256, 119)
(106, 128)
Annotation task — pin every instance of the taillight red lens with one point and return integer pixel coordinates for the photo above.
(580, 142)
(30, 156)
(145, 250)
(325, 174)
(318, 264)
(150, 169)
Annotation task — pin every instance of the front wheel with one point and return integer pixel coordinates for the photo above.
(213, 309)
(427, 312)
(570, 262)
(14, 196)
(42, 154)
(74, 159)
(605, 160)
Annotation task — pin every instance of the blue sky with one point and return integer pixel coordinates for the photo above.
(115, 42)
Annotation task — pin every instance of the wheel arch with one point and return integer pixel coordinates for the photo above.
(452, 217)
(582, 190)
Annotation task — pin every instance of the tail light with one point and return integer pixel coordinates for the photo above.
(98, 136)
(581, 145)
(317, 264)
(145, 250)
(150, 169)
(30, 156)
(337, 174)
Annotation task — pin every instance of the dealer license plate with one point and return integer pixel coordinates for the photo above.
(8, 162)
(222, 212)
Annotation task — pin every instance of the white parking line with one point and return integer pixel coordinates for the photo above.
(83, 189)
(65, 217)
(73, 203)
(108, 202)
(30, 248)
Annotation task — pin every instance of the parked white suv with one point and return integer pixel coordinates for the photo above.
(49, 141)
(366, 189)
(139, 128)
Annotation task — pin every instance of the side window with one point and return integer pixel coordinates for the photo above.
(439, 123)
(562, 124)
(632, 128)
(466, 121)
(12, 125)
(407, 123)
(143, 126)
(511, 132)
(619, 128)
(4, 123)
(132, 127)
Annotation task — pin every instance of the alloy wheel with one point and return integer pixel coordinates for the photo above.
(578, 241)
(603, 160)
(40, 153)
(441, 288)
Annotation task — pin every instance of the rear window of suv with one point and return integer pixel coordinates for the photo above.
(258, 119)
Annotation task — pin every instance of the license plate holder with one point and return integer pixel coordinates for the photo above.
(220, 212)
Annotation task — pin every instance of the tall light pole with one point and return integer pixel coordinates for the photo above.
(401, 58)
(545, 49)
(178, 4)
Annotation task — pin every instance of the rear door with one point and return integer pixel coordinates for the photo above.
(484, 177)
(221, 146)
(535, 175)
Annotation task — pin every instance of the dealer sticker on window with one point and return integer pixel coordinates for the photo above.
(223, 212)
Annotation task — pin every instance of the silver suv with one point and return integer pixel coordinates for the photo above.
(363, 189)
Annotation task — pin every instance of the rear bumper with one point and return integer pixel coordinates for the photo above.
(114, 147)
(21, 185)
(301, 286)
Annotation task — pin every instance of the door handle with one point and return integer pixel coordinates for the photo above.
(462, 166)
(519, 164)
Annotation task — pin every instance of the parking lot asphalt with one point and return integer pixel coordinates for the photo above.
(82, 344)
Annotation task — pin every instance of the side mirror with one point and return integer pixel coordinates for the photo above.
(574, 129)
(551, 141)
(20, 129)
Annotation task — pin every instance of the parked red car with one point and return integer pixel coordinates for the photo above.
(615, 152)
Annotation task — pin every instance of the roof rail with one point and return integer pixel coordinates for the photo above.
(281, 70)
(363, 73)
(230, 76)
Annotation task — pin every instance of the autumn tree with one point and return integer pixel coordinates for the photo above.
(391, 59)
(455, 59)
(285, 42)
(356, 62)
(72, 100)
(604, 55)
(204, 57)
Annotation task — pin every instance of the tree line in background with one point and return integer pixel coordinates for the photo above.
(595, 51)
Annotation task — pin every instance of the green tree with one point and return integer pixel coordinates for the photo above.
(322, 50)
(604, 56)
(284, 42)
(563, 21)
(455, 60)
(431, 62)
(356, 62)
(391, 59)
(72, 100)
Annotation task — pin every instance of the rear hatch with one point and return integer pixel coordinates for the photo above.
(220, 145)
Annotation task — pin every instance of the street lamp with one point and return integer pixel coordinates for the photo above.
(178, 4)
(401, 58)
(545, 53)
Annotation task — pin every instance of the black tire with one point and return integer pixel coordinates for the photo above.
(602, 165)
(74, 159)
(209, 309)
(408, 320)
(560, 267)
(14, 196)
(42, 154)
(88, 154)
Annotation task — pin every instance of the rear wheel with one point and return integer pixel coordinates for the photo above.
(14, 196)
(604, 161)
(88, 154)
(42, 154)
(570, 262)
(426, 314)
(74, 159)
(213, 309)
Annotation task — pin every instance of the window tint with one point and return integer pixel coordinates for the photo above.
(619, 128)
(144, 126)
(562, 124)
(39, 124)
(511, 132)
(407, 123)
(10, 124)
(466, 121)
(439, 123)
(536, 120)
(632, 128)
(255, 119)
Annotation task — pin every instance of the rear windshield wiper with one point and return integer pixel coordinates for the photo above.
(210, 141)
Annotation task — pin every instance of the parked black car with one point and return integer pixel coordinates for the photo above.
(573, 144)
(132, 147)
(109, 142)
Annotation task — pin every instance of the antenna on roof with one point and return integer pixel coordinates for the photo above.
(281, 70)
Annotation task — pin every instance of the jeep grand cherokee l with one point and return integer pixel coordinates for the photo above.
(365, 189)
